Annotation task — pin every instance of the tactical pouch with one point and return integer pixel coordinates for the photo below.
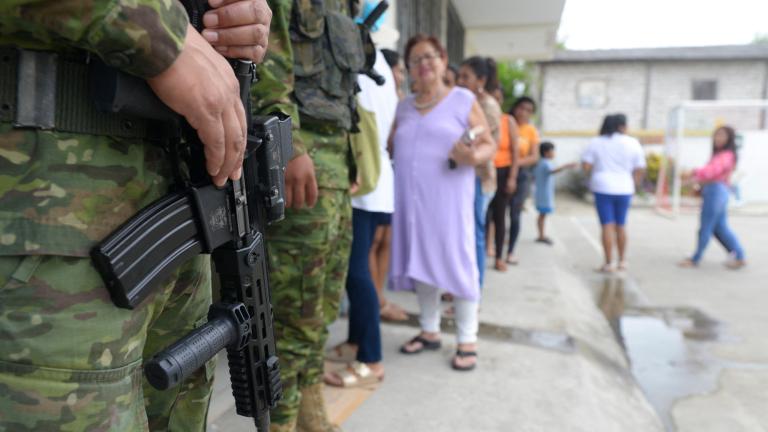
(346, 43)
(328, 54)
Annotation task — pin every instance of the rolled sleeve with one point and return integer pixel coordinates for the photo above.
(141, 37)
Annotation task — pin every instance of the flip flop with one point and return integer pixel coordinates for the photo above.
(605, 269)
(462, 354)
(392, 312)
(500, 265)
(356, 374)
(425, 345)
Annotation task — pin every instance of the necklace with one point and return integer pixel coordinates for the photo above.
(428, 104)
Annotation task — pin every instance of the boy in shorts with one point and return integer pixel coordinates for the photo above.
(545, 186)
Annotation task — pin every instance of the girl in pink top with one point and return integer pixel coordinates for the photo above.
(714, 178)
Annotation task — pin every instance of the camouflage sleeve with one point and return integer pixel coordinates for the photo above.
(141, 37)
(272, 92)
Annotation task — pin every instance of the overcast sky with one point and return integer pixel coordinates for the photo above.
(601, 24)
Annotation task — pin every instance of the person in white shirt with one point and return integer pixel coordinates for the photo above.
(615, 163)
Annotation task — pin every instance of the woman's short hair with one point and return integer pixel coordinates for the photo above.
(521, 100)
(613, 123)
(484, 68)
(419, 38)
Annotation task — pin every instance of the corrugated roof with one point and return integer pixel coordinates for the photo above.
(723, 52)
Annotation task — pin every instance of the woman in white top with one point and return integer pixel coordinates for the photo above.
(615, 162)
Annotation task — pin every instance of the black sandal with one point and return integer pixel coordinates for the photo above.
(425, 345)
(460, 353)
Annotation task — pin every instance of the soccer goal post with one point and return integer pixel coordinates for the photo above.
(688, 144)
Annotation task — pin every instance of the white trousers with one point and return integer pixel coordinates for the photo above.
(466, 313)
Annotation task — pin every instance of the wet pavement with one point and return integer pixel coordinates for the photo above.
(686, 332)
(668, 348)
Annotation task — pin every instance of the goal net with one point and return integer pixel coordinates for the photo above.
(688, 144)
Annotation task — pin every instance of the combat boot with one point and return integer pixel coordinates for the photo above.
(312, 414)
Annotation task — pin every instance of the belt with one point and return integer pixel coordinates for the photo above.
(50, 91)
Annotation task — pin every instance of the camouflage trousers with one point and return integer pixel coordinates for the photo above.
(309, 255)
(71, 361)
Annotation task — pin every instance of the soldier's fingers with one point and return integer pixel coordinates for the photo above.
(234, 143)
(288, 192)
(255, 53)
(240, 113)
(211, 133)
(298, 193)
(311, 191)
(244, 35)
(238, 13)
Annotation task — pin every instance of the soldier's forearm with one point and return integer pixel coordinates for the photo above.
(141, 37)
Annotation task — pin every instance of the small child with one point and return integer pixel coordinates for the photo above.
(545, 186)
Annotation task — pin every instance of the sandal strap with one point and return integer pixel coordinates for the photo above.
(460, 353)
(425, 342)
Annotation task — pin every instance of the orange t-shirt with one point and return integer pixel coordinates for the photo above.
(503, 158)
(528, 137)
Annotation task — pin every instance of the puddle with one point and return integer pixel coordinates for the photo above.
(668, 348)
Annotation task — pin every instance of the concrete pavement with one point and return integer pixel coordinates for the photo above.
(551, 356)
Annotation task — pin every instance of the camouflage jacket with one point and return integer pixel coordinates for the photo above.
(62, 192)
(295, 78)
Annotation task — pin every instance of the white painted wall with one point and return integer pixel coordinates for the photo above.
(669, 85)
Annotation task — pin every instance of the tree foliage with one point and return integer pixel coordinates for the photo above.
(516, 78)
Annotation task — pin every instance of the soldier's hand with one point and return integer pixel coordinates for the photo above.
(238, 28)
(201, 86)
(300, 182)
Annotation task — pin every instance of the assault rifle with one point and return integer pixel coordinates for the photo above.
(196, 218)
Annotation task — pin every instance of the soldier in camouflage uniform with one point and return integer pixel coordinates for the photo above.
(309, 73)
(69, 359)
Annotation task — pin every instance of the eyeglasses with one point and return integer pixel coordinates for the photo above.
(417, 60)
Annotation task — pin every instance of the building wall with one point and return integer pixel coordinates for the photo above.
(662, 84)
(671, 84)
(560, 110)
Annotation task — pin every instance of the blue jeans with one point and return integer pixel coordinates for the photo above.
(364, 330)
(481, 208)
(714, 220)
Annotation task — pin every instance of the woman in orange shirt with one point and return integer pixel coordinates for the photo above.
(506, 180)
(528, 156)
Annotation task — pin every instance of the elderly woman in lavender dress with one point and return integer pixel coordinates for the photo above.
(433, 237)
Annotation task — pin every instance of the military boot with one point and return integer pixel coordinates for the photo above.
(312, 414)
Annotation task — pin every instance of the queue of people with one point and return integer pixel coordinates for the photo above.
(463, 171)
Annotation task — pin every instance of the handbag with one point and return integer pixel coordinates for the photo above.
(365, 151)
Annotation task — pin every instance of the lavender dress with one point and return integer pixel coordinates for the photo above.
(433, 227)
